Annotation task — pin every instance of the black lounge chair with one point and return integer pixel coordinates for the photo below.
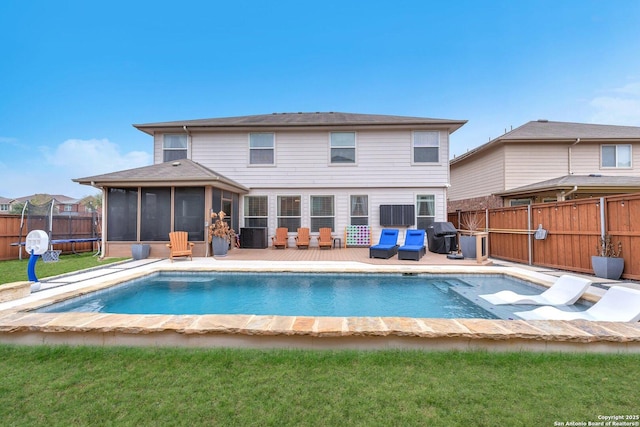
(387, 246)
(413, 247)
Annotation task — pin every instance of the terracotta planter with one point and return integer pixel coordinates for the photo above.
(607, 267)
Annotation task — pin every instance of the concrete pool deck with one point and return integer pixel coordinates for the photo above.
(19, 326)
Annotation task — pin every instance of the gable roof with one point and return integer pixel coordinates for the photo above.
(301, 120)
(183, 172)
(593, 182)
(544, 130)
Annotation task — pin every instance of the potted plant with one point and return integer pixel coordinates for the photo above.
(608, 264)
(220, 234)
(470, 223)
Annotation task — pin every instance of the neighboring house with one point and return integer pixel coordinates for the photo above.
(5, 205)
(543, 161)
(62, 205)
(279, 170)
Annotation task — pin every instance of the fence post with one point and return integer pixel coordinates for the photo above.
(603, 225)
(529, 239)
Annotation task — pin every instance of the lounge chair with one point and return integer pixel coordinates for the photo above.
(302, 239)
(413, 247)
(179, 245)
(618, 304)
(387, 246)
(325, 239)
(565, 291)
(281, 238)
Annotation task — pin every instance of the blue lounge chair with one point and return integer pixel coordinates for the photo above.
(413, 247)
(387, 246)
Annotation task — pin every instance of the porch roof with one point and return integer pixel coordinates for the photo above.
(594, 182)
(182, 173)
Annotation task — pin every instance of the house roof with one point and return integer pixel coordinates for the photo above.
(583, 183)
(60, 198)
(306, 120)
(182, 172)
(544, 130)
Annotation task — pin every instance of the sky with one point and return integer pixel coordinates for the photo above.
(76, 75)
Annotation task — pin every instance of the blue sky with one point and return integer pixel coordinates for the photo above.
(75, 75)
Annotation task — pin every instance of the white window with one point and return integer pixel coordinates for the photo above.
(426, 147)
(322, 212)
(262, 149)
(289, 212)
(426, 208)
(360, 210)
(343, 147)
(256, 211)
(174, 147)
(616, 156)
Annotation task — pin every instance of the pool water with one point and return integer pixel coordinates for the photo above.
(303, 294)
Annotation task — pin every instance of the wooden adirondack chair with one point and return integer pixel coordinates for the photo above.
(302, 239)
(325, 239)
(180, 245)
(281, 238)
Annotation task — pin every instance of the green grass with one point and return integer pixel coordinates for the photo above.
(16, 270)
(64, 386)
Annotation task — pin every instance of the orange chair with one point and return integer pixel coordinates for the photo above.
(180, 245)
(281, 238)
(302, 239)
(325, 239)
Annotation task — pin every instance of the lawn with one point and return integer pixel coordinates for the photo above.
(63, 386)
(16, 270)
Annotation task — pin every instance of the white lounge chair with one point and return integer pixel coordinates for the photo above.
(618, 304)
(565, 291)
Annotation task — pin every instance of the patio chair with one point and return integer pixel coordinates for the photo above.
(325, 239)
(618, 304)
(565, 291)
(281, 238)
(302, 239)
(387, 245)
(413, 247)
(179, 245)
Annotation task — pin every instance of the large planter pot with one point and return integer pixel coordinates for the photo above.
(607, 267)
(140, 251)
(468, 246)
(220, 246)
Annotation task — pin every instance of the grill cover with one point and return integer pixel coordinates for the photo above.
(441, 237)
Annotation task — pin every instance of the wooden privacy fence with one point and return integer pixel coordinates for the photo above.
(573, 230)
(62, 227)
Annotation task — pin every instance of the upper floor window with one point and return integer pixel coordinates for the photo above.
(426, 147)
(261, 148)
(174, 147)
(343, 147)
(616, 156)
(4, 207)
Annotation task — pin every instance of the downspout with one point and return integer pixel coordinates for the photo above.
(188, 140)
(563, 195)
(570, 164)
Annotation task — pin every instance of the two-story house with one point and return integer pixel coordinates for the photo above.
(279, 170)
(544, 161)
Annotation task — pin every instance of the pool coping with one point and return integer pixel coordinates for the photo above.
(259, 331)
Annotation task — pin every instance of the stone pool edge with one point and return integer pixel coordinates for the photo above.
(254, 331)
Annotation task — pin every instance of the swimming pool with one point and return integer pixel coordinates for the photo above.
(303, 294)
